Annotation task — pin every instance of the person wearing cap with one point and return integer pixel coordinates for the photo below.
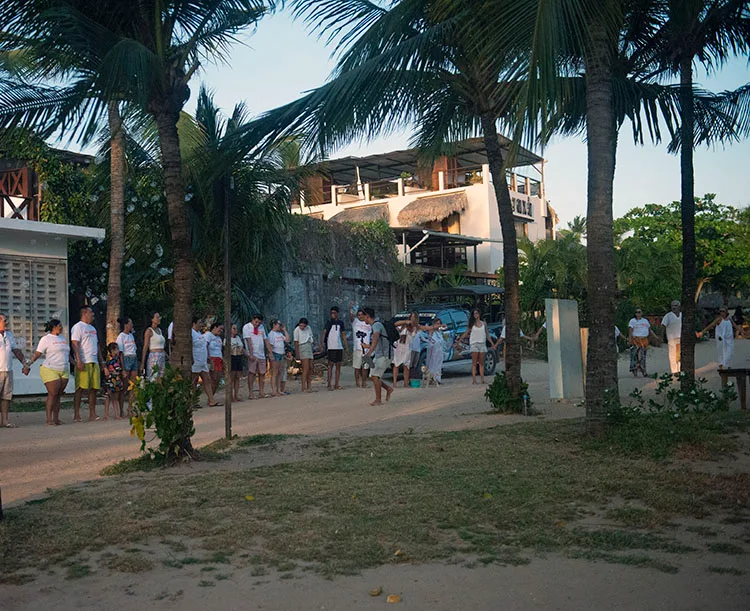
(725, 328)
(672, 323)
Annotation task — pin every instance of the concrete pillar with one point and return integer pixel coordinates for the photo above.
(513, 182)
(564, 349)
(367, 191)
(485, 173)
(400, 184)
(334, 196)
(527, 184)
(441, 181)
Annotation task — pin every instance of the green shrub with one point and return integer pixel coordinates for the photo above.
(501, 399)
(166, 405)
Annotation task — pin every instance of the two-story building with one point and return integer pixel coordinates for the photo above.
(33, 264)
(444, 213)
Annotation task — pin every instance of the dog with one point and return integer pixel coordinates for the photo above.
(427, 377)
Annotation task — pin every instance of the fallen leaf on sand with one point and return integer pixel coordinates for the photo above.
(376, 591)
(249, 498)
(393, 598)
(398, 553)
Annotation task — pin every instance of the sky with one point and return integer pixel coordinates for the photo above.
(282, 60)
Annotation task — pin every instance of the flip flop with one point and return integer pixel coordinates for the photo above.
(215, 404)
(9, 425)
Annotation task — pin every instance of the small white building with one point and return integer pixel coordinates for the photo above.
(452, 201)
(33, 268)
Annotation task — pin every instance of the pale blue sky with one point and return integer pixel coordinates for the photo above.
(281, 61)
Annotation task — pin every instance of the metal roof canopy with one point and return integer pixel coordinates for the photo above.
(467, 290)
(412, 235)
(469, 153)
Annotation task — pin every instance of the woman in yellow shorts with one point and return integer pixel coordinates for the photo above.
(56, 369)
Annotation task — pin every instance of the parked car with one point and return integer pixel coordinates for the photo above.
(455, 319)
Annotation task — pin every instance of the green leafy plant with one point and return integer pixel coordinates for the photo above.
(503, 401)
(165, 405)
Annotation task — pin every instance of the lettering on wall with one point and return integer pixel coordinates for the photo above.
(522, 206)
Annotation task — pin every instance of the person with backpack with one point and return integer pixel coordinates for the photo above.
(380, 350)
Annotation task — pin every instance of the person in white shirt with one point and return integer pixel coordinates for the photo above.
(333, 338)
(126, 344)
(215, 353)
(361, 333)
(725, 330)
(479, 337)
(672, 323)
(200, 362)
(257, 346)
(8, 349)
(277, 338)
(303, 351)
(639, 330)
(55, 372)
(89, 362)
(155, 348)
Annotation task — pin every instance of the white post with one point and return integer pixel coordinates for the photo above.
(367, 191)
(400, 184)
(485, 173)
(334, 196)
(441, 181)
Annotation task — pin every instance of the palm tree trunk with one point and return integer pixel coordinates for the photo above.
(227, 313)
(510, 254)
(116, 221)
(601, 141)
(687, 204)
(166, 124)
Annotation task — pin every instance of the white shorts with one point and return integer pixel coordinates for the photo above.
(380, 366)
(358, 360)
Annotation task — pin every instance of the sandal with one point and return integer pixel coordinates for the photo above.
(9, 425)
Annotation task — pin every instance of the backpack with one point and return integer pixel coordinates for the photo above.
(391, 331)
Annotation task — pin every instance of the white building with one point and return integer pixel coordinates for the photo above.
(33, 267)
(445, 214)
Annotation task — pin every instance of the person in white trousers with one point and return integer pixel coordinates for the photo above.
(672, 323)
(725, 328)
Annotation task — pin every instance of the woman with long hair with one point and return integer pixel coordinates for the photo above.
(478, 336)
(238, 350)
(408, 337)
(303, 351)
(55, 372)
(154, 346)
(126, 343)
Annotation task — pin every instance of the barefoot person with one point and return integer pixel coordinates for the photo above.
(256, 344)
(215, 354)
(361, 333)
(126, 344)
(333, 338)
(8, 349)
(200, 362)
(672, 323)
(402, 355)
(238, 351)
(114, 382)
(154, 345)
(303, 351)
(478, 337)
(639, 330)
(380, 352)
(88, 363)
(277, 338)
(725, 330)
(55, 372)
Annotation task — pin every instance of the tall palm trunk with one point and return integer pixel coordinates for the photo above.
(510, 254)
(116, 220)
(687, 203)
(601, 141)
(166, 124)
(228, 389)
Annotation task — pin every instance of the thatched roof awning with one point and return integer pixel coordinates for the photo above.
(361, 214)
(435, 208)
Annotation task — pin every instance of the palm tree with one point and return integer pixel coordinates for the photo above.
(148, 60)
(412, 63)
(709, 31)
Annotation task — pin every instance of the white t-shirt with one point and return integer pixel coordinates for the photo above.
(361, 334)
(170, 331)
(7, 346)
(85, 334)
(477, 334)
(255, 343)
(126, 344)
(673, 325)
(502, 334)
(56, 352)
(725, 331)
(640, 327)
(200, 350)
(303, 336)
(333, 341)
(277, 340)
(214, 345)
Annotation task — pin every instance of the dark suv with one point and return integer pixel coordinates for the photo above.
(456, 320)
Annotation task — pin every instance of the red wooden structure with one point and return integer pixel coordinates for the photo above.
(17, 197)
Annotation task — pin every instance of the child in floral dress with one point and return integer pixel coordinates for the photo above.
(114, 382)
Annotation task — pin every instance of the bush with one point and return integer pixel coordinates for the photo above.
(501, 399)
(166, 405)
